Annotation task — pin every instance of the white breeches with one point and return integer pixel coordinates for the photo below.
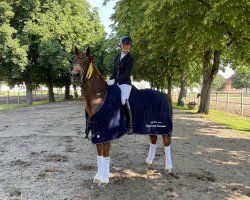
(125, 92)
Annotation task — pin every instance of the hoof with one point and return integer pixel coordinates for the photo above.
(130, 131)
(168, 169)
(102, 184)
(97, 179)
(149, 162)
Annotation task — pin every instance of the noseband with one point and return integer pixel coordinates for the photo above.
(83, 78)
(89, 69)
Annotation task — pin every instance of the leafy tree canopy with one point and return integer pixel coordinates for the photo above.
(218, 82)
(241, 80)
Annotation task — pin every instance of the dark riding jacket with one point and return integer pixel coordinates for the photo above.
(122, 69)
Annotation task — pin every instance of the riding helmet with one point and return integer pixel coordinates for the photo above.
(126, 40)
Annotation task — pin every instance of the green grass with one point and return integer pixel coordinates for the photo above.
(233, 121)
(16, 106)
(12, 93)
(185, 108)
(37, 103)
(11, 106)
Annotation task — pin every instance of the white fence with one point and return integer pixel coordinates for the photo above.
(238, 103)
(17, 97)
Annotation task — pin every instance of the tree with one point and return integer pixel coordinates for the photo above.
(12, 52)
(58, 28)
(241, 80)
(171, 34)
(48, 31)
(218, 82)
(158, 60)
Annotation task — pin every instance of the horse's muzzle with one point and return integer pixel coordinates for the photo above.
(76, 78)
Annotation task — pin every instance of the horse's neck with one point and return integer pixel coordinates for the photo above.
(94, 91)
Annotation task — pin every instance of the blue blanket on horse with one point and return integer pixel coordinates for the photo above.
(151, 113)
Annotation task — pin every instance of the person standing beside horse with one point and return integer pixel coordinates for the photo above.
(122, 69)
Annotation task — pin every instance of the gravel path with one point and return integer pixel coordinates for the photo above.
(43, 155)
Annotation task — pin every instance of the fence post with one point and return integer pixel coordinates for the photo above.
(242, 104)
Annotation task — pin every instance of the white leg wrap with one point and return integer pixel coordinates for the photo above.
(98, 176)
(168, 160)
(106, 170)
(151, 154)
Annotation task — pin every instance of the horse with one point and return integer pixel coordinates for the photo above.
(95, 89)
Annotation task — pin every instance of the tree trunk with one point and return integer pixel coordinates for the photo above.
(29, 98)
(67, 93)
(209, 73)
(50, 87)
(51, 92)
(75, 91)
(170, 87)
(183, 91)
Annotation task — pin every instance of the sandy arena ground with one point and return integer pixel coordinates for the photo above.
(43, 155)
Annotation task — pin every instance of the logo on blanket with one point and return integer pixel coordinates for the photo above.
(156, 124)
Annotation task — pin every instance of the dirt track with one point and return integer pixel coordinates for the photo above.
(43, 155)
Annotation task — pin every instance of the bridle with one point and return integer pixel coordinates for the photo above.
(84, 78)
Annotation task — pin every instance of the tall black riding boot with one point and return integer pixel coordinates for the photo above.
(129, 119)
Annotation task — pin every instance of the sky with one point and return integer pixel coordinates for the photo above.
(105, 13)
(229, 72)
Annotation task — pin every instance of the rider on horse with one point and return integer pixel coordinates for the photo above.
(152, 111)
(123, 64)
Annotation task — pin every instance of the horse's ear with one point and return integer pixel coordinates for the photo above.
(88, 52)
(77, 51)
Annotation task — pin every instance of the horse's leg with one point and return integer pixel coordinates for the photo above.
(168, 160)
(106, 163)
(152, 149)
(98, 176)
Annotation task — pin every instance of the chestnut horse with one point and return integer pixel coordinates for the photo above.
(94, 86)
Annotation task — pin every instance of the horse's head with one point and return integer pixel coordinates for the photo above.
(82, 66)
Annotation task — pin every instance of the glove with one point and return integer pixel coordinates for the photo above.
(111, 82)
